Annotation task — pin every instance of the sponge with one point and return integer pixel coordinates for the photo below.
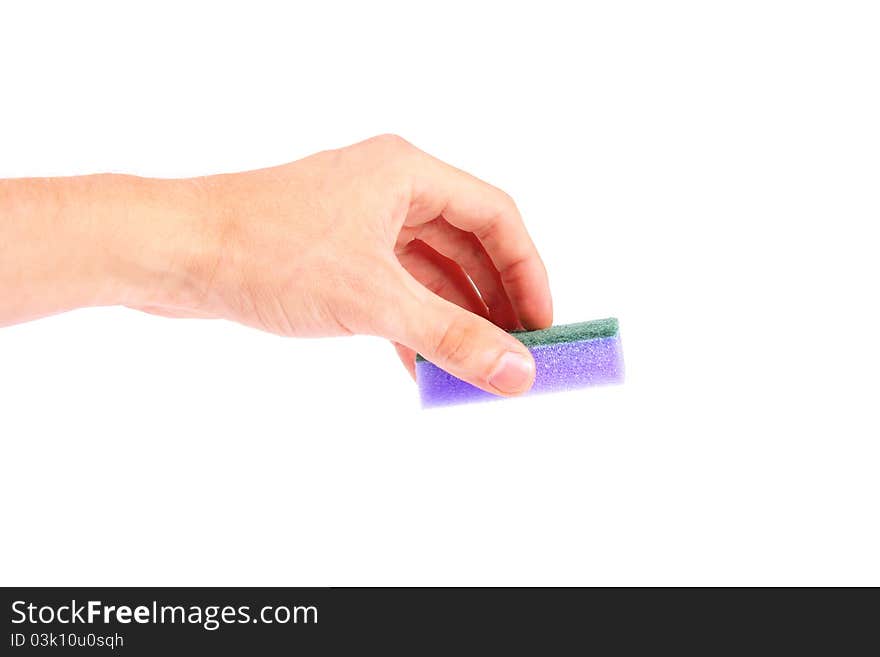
(566, 357)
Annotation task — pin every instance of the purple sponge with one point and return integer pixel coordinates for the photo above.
(566, 357)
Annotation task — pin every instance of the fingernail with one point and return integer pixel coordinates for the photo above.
(513, 373)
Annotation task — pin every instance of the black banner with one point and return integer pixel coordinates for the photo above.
(266, 621)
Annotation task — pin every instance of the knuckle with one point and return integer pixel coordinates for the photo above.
(509, 203)
(515, 272)
(391, 141)
(453, 342)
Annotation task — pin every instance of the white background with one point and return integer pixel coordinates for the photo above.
(706, 172)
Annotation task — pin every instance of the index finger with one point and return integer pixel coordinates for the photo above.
(489, 213)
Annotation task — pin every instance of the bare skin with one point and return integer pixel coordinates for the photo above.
(377, 238)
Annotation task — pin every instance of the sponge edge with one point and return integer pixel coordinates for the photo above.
(566, 357)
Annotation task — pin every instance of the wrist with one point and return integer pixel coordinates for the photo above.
(158, 241)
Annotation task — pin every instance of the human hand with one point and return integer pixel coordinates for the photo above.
(380, 238)
(377, 238)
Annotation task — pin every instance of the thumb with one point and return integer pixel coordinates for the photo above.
(456, 340)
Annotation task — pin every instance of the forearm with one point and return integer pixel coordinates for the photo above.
(98, 240)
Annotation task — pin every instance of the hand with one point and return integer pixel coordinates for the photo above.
(378, 238)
